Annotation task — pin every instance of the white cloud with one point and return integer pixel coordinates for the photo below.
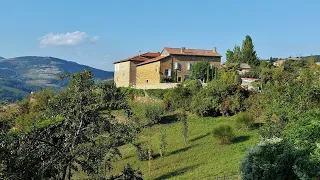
(66, 39)
(95, 38)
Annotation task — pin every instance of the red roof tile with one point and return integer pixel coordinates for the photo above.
(192, 52)
(142, 57)
(153, 60)
(151, 54)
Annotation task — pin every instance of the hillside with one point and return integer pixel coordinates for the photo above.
(21, 75)
(202, 158)
(317, 57)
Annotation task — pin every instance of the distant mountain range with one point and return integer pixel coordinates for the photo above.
(21, 75)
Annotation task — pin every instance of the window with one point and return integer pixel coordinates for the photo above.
(167, 72)
(147, 80)
(189, 66)
(179, 79)
(186, 77)
(116, 67)
(176, 66)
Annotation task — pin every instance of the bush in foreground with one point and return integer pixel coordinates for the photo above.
(154, 112)
(271, 159)
(224, 133)
(244, 119)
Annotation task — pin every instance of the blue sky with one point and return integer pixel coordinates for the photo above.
(99, 32)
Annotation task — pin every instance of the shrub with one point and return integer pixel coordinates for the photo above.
(178, 97)
(193, 86)
(204, 105)
(156, 93)
(224, 133)
(154, 112)
(271, 159)
(137, 112)
(244, 119)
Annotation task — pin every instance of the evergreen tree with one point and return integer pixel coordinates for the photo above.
(229, 55)
(208, 74)
(237, 54)
(248, 53)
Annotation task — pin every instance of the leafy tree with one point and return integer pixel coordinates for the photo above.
(69, 140)
(163, 142)
(222, 95)
(286, 95)
(234, 56)
(229, 56)
(183, 119)
(199, 70)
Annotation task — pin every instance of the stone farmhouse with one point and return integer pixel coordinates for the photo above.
(149, 70)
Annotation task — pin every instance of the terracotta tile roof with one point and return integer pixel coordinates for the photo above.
(192, 52)
(153, 60)
(151, 54)
(278, 62)
(142, 57)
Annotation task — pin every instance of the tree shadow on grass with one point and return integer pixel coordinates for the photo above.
(200, 137)
(176, 172)
(256, 126)
(169, 119)
(240, 139)
(181, 150)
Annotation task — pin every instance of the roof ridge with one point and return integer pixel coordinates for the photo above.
(191, 49)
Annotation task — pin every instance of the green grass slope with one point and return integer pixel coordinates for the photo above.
(203, 157)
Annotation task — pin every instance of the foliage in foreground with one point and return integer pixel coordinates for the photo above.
(294, 156)
(63, 133)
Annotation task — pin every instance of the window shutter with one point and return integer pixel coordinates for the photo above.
(169, 72)
(176, 66)
(189, 66)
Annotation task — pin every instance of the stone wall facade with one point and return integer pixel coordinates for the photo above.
(148, 74)
(122, 74)
(156, 86)
(151, 73)
(183, 73)
(125, 73)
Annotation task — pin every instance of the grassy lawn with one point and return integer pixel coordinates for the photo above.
(203, 157)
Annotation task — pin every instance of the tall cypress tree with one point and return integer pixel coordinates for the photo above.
(208, 73)
(248, 53)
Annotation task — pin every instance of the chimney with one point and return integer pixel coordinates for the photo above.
(139, 53)
(183, 49)
(214, 49)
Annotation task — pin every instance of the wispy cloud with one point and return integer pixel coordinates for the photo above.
(67, 39)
